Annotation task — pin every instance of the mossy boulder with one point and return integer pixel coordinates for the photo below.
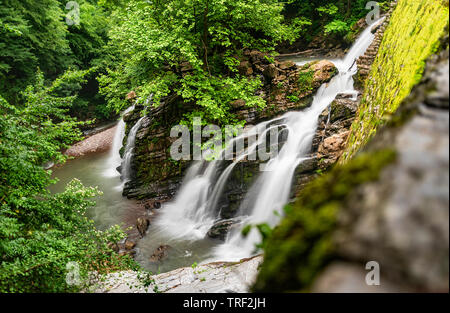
(301, 245)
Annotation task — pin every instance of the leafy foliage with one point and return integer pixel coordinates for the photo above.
(200, 37)
(39, 232)
(330, 19)
(34, 35)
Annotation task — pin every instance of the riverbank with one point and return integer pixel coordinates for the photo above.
(96, 143)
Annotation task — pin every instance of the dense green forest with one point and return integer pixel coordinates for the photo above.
(56, 79)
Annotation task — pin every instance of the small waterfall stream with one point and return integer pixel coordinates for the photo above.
(129, 151)
(194, 210)
(114, 159)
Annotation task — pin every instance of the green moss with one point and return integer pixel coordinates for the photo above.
(301, 245)
(293, 98)
(413, 35)
(305, 81)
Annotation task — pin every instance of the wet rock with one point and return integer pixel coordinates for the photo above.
(160, 253)
(221, 228)
(308, 165)
(334, 143)
(342, 109)
(223, 277)
(142, 225)
(332, 132)
(129, 245)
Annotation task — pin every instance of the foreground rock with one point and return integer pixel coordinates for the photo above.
(402, 221)
(160, 254)
(215, 277)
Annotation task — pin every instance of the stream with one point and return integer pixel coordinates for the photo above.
(183, 222)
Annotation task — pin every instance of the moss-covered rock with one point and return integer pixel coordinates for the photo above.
(301, 245)
(413, 34)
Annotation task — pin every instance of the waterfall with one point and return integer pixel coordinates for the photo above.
(129, 151)
(114, 159)
(194, 210)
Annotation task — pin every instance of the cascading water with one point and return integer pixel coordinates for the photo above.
(194, 210)
(129, 151)
(126, 170)
(114, 159)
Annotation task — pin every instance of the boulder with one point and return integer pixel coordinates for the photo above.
(160, 253)
(342, 108)
(221, 228)
(245, 68)
(271, 71)
(324, 70)
(142, 225)
(333, 144)
(129, 245)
